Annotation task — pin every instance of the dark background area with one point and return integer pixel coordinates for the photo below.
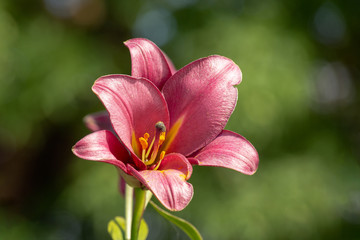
(298, 104)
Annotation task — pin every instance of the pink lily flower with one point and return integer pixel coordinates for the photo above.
(159, 122)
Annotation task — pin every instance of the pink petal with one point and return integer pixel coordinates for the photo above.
(178, 162)
(201, 97)
(98, 121)
(149, 62)
(169, 183)
(171, 65)
(229, 150)
(102, 146)
(135, 105)
(101, 121)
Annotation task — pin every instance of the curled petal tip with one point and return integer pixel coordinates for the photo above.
(229, 150)
(148, 61)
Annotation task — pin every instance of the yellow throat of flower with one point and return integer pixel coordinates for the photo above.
(149, 153)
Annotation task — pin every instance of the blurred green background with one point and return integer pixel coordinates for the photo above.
(298, 104)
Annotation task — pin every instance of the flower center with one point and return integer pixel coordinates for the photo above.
(149, 152)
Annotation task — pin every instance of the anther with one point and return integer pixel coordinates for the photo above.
(162, 155)
(143, 142)
(161, 138)
(146, 136)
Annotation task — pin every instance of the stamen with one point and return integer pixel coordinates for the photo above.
(146, 136)
(143, 142)
(158, 139)
(162, 155)
(151, 145)
(162, 137)
(143, 156)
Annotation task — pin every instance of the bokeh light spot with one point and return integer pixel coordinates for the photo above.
(329, 24)
(159, 25)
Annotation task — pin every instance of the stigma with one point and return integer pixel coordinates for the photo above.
(149, 154)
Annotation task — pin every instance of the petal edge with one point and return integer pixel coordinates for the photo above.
(201, 97)
(102, 146)
(148, 61)
(229, 150)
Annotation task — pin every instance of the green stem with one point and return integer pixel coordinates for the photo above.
(140, 198)
(129, 195)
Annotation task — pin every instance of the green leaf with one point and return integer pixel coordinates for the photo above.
(184, 225)
(121, 221)
(143, 231)
(114, 231)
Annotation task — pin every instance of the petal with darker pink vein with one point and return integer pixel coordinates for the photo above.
(135, 105)
(148, 61)
(102, 146)
(229, 150)
(201, 97)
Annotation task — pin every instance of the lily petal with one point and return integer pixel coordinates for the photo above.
(201, 97)
(169, 183)
(98, 121)
(149, 62)
(171, 65)
(178, 162)
(101, 121)
(135, 105)
(102, 146)
(229, 150)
